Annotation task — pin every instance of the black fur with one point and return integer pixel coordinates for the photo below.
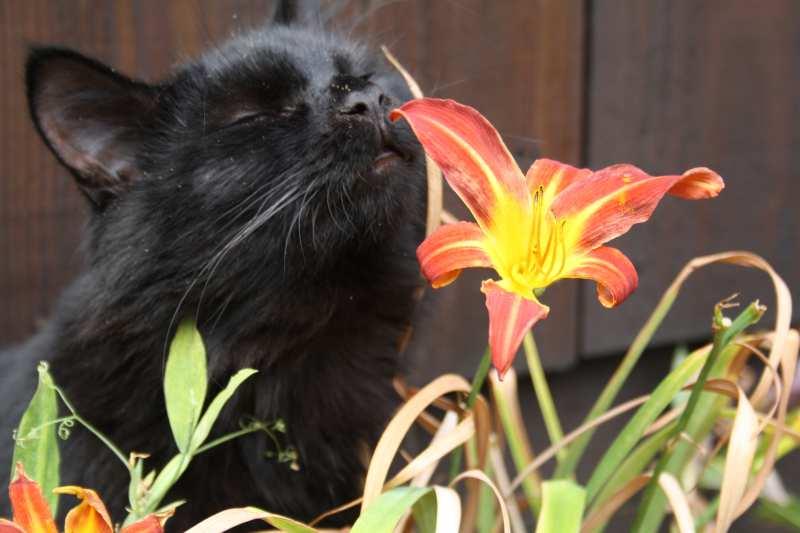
(242, 191)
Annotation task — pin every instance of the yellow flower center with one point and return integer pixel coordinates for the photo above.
(539, 260)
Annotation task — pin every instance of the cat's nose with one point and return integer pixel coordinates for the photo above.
(364, 101)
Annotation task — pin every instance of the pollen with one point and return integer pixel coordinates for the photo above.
(547, 251)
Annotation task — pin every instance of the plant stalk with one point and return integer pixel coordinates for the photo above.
(543, 395)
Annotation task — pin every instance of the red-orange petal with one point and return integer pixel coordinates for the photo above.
(470, 153)
(553, 177)
(698, 184)
(510, 317)
(89, 516)
(614, 273)
(31, 511)
(7, 526)
(148, 524)
(450, 249)
(606, 204)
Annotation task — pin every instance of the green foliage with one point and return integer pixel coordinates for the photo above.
(385, 512)
(35, 441)
(185, 383)
(185, 386)
(562, 507)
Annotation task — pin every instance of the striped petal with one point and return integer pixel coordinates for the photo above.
(89, 516)
(553, 177)
(450, 249)
(606, 204)
(31, 512)
(614, 273)
(7, 526)
(510, 317)
(470, 153)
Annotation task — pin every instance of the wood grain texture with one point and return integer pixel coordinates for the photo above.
(520, 62)
(676, 84)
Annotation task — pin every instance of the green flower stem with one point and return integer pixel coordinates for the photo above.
(543, 395)
(477, 384)
(725, 331)
(230, 436)
(566, 467)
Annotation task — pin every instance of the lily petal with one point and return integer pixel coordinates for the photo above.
(450, 249)
(470, 153)
(7, 526)
(148, 524)
(31, 512)
(510, 317)
(614, 273)
(698, 184)
(553, 177)
(89, 516)
(606, 204)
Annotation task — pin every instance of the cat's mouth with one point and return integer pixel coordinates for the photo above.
(391, 153)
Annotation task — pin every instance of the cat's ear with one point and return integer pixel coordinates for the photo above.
(91, 117)
(298, 12)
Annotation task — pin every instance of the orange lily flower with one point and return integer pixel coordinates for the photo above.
(536, 228)
(32, 514)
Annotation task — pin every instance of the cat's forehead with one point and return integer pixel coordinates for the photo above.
(311, 55)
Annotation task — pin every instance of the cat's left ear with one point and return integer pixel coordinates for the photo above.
(91, 117)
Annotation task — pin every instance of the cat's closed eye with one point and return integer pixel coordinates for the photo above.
(250, 116)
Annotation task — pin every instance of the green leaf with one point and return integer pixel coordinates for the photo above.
(425, 513)
(36, 444)
(216, 405)
(644, 416)
(185, 382)
(562, 507)
(385, 512)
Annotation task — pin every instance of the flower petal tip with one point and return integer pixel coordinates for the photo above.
(697, 184)
(395, 115)
(510, 317)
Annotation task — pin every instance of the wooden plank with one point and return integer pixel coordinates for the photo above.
(676, 84)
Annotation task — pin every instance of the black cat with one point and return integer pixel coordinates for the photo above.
(261, 190)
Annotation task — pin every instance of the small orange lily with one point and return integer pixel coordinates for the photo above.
(532, 229)
(32, 514)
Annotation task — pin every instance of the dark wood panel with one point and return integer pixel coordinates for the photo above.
(520, 62)
(676, 84)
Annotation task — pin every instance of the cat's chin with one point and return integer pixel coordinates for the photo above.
(388, 160)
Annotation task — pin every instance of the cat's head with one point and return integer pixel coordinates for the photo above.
(272, 146)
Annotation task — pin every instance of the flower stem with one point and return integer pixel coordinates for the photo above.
(543, 395)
